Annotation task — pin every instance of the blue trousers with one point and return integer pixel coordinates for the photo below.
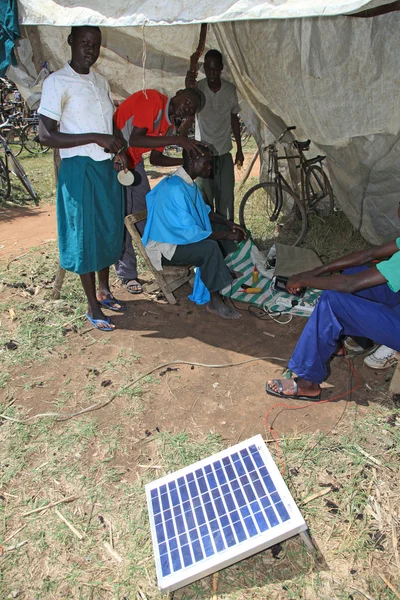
(373, 313)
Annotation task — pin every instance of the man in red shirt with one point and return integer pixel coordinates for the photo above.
(146, 120)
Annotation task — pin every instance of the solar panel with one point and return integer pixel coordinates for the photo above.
(218, 511)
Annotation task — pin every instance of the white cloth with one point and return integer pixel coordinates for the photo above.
(213, 123)
(157, 250)
(81, 104)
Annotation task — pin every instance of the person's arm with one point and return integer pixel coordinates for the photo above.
(140, 139)
(339, 283)
(235, 124)
(234, 228)
(356, 259)
(190, 79)
(158, 159)
(50, 136)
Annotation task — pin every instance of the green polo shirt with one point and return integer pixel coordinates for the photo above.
(390, 269)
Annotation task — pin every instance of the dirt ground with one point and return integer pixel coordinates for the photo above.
(230, 401)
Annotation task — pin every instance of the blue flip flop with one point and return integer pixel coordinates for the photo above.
(97, 322)
(108, 303)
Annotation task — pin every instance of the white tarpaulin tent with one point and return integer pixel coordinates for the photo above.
(335, 77)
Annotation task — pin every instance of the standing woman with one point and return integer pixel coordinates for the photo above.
(90, 209)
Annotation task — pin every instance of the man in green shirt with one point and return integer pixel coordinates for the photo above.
(362, 301)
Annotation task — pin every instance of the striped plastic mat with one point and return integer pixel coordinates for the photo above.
(242, 261)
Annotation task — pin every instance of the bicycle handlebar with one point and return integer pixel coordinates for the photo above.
(285, 131)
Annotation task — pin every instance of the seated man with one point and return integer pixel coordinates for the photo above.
(363, 301)
(178, 232)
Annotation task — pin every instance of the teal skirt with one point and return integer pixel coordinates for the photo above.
(90, 214)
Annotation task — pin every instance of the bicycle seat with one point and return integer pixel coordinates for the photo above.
(314, 160)
(302, 145)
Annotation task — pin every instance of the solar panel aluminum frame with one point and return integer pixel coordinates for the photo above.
(293, 526)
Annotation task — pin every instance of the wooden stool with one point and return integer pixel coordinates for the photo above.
(170, 278)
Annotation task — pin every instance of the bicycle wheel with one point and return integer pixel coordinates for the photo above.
(31, 141)
(18, 170)
(319, 191)
(5, 186)
(13, 139)
(257, 213)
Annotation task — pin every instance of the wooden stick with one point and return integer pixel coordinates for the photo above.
(50, 505)
(8, 548)
(113, 553)
(353, 587)
(68, 524)
(57, 285)
(316, 495)
(194, 59)
(390, 586)
(10, 537)
(369, 456)
(282, 440)
(215, 585)
(248, 170)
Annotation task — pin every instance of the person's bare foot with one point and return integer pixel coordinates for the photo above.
(295, 387)
(218, 307)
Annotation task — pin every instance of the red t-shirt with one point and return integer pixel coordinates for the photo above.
(139, 111)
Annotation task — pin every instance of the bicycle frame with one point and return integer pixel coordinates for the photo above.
(274, 174)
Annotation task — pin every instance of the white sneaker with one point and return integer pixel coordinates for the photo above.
(382, 358)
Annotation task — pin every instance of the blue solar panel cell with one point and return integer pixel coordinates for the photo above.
(229, 536)
(173, 544)
(259, 488)
(156, 505)
(200, 516)
(230, 472)
(240, 532)
(211, 481)
(248, 490)
(190, 520)
(174, 497)
(240, 499)
(219, 542)
(180, 525)
(271, 516)
(220, 476)
(164, 501)
(186, 555)
(283, 513)
(193, 489)
(165, 568)
(261, 522)
(208, 546)
(251, 528)
(176, 560)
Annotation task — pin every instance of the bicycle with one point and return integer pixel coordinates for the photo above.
(286, 207)
(10, 164)
(22, 132)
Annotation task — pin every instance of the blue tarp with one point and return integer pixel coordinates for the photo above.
(9, 32)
